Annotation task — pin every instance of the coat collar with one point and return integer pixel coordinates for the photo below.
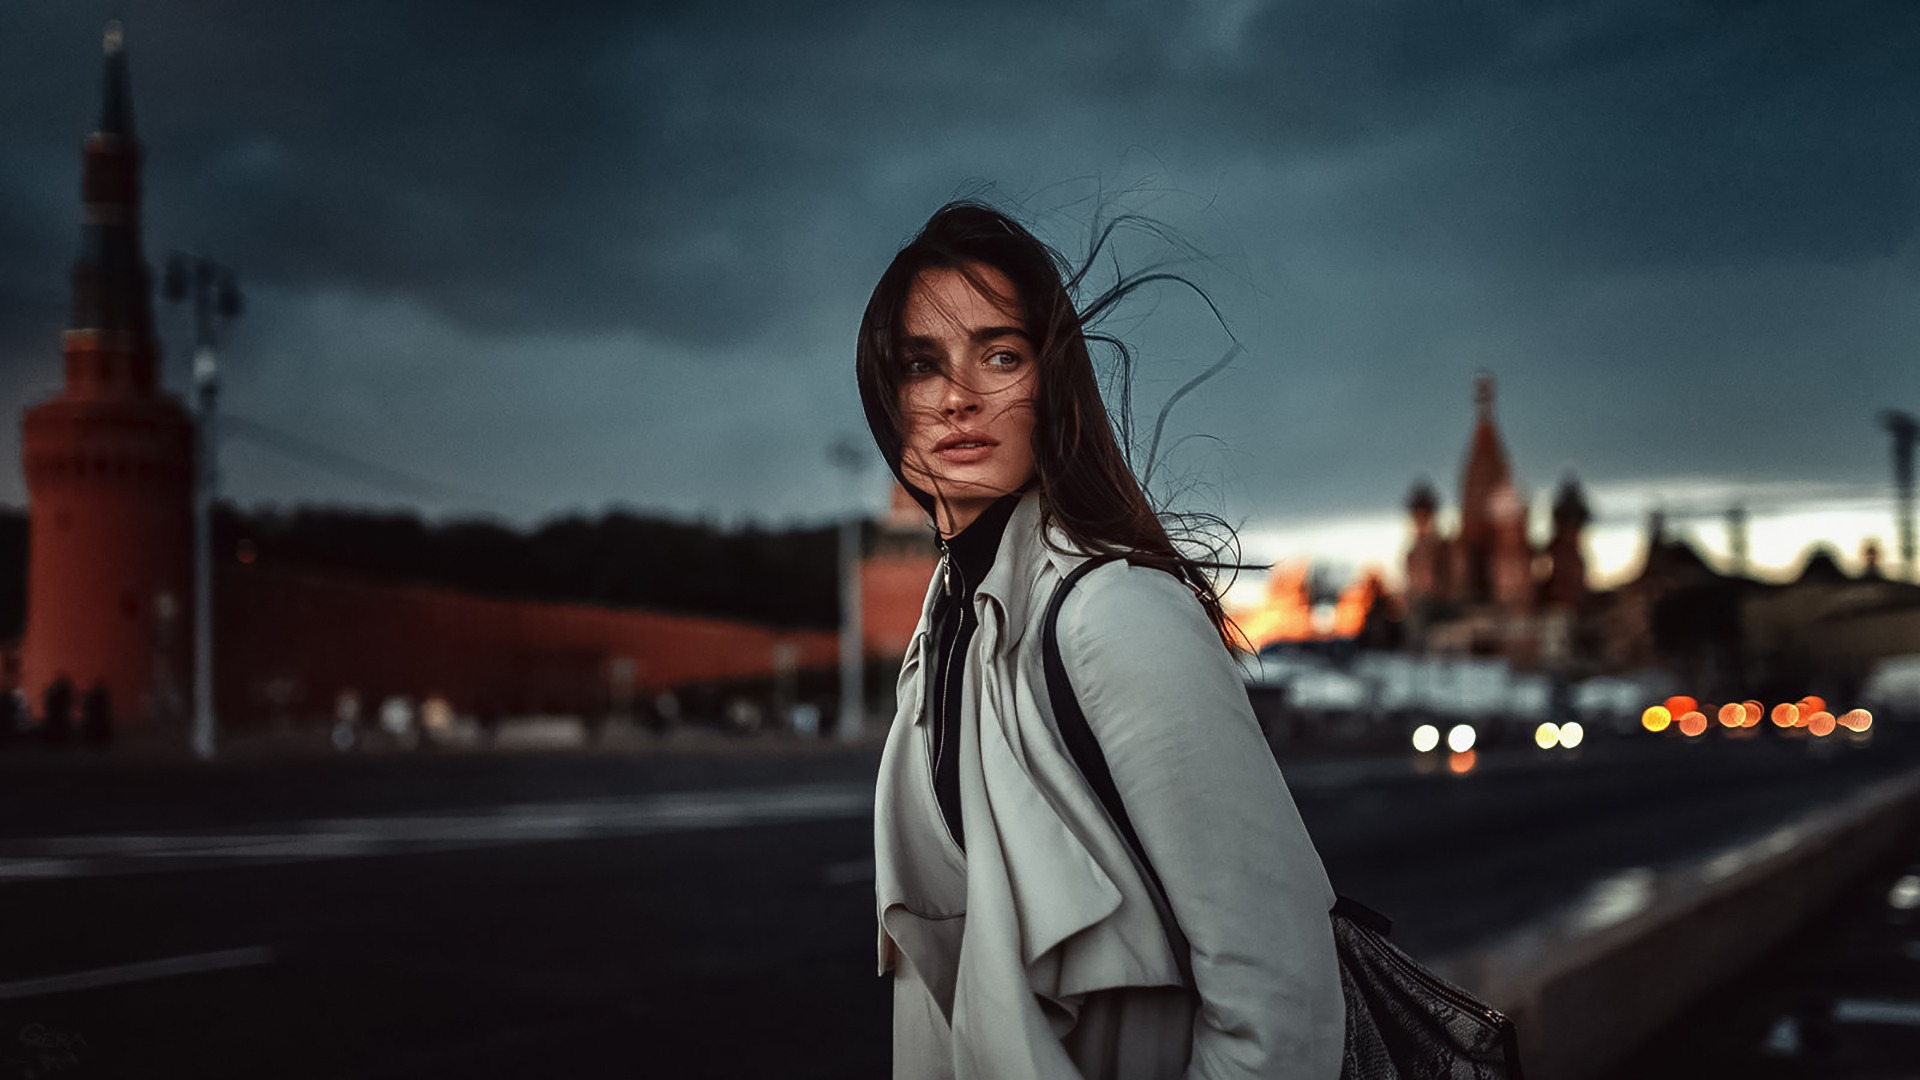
(1027, 553)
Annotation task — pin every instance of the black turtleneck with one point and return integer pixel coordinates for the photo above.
(969, 555)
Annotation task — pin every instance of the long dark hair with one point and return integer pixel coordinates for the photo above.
(1086, 483)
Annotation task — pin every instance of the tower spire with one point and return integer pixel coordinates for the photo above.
(116, 107)
(112, 291)
(1487, 497)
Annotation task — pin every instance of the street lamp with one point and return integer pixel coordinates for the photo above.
(850, 456)
(215, 298)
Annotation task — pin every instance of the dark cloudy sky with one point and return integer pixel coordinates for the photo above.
(558, 257)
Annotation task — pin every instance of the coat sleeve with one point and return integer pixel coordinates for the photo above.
(1169, 708)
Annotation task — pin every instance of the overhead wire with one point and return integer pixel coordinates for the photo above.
(326, 458)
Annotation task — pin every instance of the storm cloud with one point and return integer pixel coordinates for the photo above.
(594, 253)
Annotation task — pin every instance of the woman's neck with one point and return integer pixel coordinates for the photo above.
(953, 517)
(972, 550)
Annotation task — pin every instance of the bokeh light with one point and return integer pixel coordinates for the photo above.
(1786, 714)
(1426, 737)
(1733, 714)
(1755, 711)
(1693, 724)
(1571, 733)
(1820, 723)
(1460, 738)
(1547, 735)
(1461, 762)
(1656, 718)
(1681, 705)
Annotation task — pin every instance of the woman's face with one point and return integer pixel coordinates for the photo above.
(966, 394)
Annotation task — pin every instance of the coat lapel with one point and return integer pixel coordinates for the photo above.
(1006, 593)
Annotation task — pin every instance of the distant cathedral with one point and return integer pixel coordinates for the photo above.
(1487, 589)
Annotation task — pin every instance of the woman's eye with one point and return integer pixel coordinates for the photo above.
(1006, 358)
(916, 365)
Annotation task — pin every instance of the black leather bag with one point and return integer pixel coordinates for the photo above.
(1402, 1020)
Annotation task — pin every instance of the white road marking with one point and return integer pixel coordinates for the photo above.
(1856, 1011)
(338, 838)
(126, 973)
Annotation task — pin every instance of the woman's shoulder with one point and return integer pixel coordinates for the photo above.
(1121, 602)
(1138, 647)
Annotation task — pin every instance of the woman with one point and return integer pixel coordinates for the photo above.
(1025, 938)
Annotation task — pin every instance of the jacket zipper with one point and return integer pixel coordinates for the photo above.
(946, 670)
(946, 675)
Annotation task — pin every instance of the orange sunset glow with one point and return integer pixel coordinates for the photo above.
(1286, 613)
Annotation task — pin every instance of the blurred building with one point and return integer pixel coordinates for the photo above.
(894, 575)
(1829, 629)
(1486, 588)
(1728, 634)
(109, 469)
(109, 462)
(290, 637)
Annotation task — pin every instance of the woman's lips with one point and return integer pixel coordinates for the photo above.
(961, 455)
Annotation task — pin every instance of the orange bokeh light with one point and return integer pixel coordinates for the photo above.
(1693, 723)
(1811, 704)
(1681, 705)
(1733, 714)
(1856, 720)
(1462, 761)
(1820, 723)
(1754, 711)
(1786, 714)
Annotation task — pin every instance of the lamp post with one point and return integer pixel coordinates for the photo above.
(848, 455)
(215, 298)
(1903, 427)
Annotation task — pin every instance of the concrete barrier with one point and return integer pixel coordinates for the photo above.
(1590, 983)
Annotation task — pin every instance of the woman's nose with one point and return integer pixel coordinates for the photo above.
(958, 398)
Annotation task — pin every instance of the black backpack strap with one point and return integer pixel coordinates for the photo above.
(1074, 730)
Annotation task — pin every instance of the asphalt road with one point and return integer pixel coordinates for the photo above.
(671, 914)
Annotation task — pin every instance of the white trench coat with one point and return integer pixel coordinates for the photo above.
(1044, 951)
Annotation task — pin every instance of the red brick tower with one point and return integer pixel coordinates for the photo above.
(109, 463)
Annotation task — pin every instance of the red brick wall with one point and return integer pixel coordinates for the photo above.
(319, 631)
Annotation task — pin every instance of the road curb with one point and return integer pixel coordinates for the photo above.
(1588, 984)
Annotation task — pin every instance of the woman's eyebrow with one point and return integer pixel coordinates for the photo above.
(979, 335)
